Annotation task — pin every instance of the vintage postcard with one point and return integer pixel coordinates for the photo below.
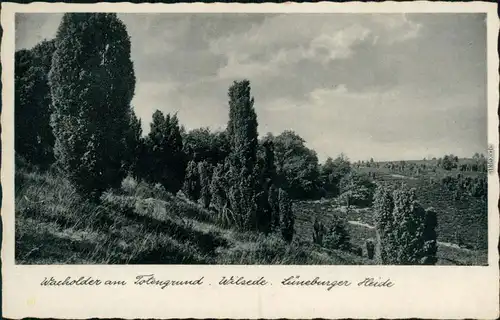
(250, 160)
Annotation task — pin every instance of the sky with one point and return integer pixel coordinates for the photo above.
(382, 86)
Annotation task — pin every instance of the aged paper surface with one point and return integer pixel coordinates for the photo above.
(385, 84)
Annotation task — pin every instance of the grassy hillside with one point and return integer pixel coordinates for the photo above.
(139, 224)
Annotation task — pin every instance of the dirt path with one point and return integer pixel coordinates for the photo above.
(444, 244)
(362, 224)
(400, 176)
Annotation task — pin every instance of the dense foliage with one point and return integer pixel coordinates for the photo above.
(134, 143)
(331, 173)
(164, 160)
(204, 173)
(191, 187)
(464, 186)
(405, 230)
(242, 177)
(287, 217)
(203, 145)
(219, 198)
(92, 82)
(34, 139)
(336, 236)
(296, 165)
(273, 201)
(356, 189)
(319, 231)
(448, 162)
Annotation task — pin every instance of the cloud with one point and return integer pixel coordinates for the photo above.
(194, 111)
(282, 40)
(235, 69)
(339, 45)
(401, 111)
(386, 125)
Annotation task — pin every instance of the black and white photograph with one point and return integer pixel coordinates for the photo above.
(251, 138)
(250, 161)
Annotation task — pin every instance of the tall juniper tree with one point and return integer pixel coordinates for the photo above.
(406, 231)
(287, 216)
(92, 83)
(219, 194)
(273, 201)
(242, 127)
(242, 134)
(191, 186)
(430, 238)
(266, 170)
(384, 223)
(268, 166)
(164, 160)
(205, 172)
(34, 139)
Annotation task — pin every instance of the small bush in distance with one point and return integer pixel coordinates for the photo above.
(337, 236)
(318, 231)
(430, 237)
(370, 248)
(357, 189)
